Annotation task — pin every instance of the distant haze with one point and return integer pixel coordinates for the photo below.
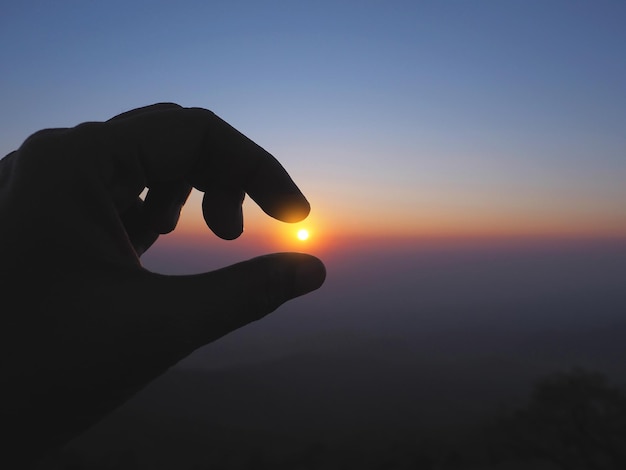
(505, 298)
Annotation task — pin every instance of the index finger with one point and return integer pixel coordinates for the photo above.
(166, 143)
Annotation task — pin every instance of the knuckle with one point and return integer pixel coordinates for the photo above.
(36, 152)
(42, 140)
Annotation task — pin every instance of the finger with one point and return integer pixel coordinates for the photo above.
(200, 308)
(194, 144)
(163, 204)
(239, 162)
(139, 230)
(222, 211)
(145, 109)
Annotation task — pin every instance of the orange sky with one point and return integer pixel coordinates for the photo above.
(335, 225)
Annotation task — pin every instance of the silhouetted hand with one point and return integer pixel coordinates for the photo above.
(84, 325)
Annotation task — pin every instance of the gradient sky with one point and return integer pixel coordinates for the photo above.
(405, 119)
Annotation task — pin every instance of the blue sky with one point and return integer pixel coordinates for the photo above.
(416, 116)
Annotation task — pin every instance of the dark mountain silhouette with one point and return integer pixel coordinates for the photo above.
(380, 399)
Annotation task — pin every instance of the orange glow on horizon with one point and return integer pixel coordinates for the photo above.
(331, 225)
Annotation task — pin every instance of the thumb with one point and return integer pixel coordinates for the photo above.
(204, 307)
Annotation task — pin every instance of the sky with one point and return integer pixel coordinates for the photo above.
(398, 120)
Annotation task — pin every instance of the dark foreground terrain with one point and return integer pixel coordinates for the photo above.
(355, 411)
(495, 358)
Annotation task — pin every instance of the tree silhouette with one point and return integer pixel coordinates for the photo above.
(575, 420)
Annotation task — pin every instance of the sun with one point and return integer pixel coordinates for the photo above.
(302, 234)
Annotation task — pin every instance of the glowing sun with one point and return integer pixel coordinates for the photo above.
(302, 234)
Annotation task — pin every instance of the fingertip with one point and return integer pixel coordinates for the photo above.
(226, 229)
(296, 208)
(166, 222)
(227, 233)
(275, 278)
(223, 213)
(288, 208)
(309, 276)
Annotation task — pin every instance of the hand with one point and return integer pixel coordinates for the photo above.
(84, 325)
